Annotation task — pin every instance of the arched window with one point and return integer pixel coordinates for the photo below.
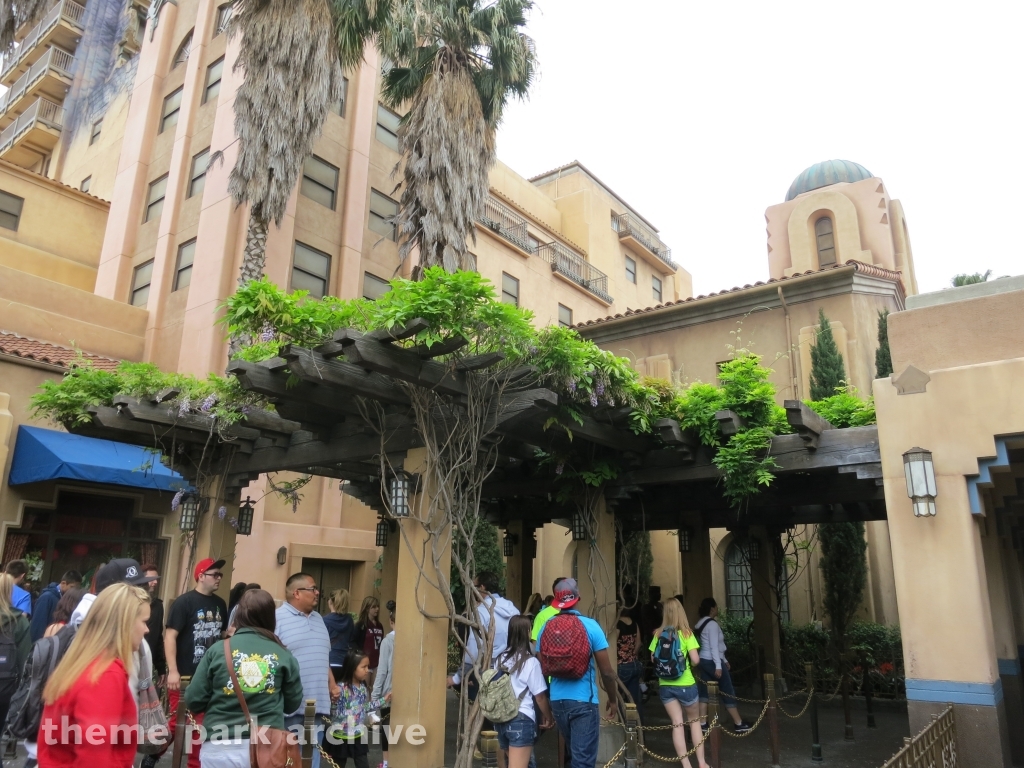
(739, 590)
(183, 51)
(826, 242)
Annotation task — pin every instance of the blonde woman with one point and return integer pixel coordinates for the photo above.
(340, 628)
(674, 651)
(89, 712)
(16, 639)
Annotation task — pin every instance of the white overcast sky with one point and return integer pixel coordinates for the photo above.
(701, 114)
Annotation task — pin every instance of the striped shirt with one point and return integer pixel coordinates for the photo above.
(306, 637)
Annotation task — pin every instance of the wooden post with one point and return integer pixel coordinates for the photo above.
(761, 671)
(869, 698)
(181, 726)
(845, 684)
(813, 709)
(309, 728)
(773, 719)
(714, 751)
(489, 748)
(632, 721)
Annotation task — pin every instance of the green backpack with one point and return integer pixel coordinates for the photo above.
(498, 701)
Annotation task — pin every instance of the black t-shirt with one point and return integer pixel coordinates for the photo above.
(200, 620)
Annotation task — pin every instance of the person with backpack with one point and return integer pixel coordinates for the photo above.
(15, 647)
(90, 713)
(573, 649)
(674, 655)
(511, 694)
(382, 684)
(627, 648)
(545, 613)
(714, 664)
(63, 610)
(48, 599)
(347, 734)
(340, 629)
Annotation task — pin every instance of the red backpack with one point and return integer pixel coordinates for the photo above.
(564, 647)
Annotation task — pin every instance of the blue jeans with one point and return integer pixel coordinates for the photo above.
(684, 694)
(290, 721)
(579, 723)
(707, 672)
(630, 675)
(521, 731)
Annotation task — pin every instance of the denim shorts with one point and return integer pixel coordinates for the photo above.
(518, 732)
(685, 694)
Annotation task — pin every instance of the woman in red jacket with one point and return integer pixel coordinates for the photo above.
(89, 717)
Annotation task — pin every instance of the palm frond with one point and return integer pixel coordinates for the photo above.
(14, 14)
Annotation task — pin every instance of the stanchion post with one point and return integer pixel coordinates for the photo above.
(632, 736)
(714, 734)
(773, 719)
(489, 748)
(309, 731)
(761, 670)
(181, 726)
(844, 681)
(813, 709)
(869, 697)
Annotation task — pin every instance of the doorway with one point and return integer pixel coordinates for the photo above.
(329, 575)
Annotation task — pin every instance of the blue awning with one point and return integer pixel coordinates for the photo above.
(46, 454)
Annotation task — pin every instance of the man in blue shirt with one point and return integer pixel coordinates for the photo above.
(575, 702)
(20, 597)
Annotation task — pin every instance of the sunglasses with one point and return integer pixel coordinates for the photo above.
(307, 589)
(212, 575)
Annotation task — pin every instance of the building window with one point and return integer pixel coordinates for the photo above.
(339, 105)
(387, 127)
(141, 278)
(223, 18)
(197, 177)
(319, 181)
(183, 51)
(183, 267)
(311, 271)
(374, 287)
(382, 214)
(656, 287)
(172, 108)
(564, 316)
(214, 72)
(86, 183)
(509, 289)
(631, 270)
(10, 210)
(826, 242)
(533, 242)
(739, 590)
(97, 128)
(155, 199)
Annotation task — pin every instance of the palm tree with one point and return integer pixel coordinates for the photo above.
(13, 15)
(965, 279)
(457, 63)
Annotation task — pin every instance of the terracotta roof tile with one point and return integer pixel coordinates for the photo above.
(867, 269)
(51, 354)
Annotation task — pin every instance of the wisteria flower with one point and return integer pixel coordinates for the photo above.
(572, 385)
(593, 400)
(184, 406)
(176, 501)
(233, 522)
(559, 467)
(599, 389)
(267, 332)
(222, 512)
(208, 403)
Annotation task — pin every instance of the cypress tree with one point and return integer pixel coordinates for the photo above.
(845, 573)
(828, 374)
(883, 360)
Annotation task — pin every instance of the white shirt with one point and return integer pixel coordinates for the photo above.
(712, 642)
(528, 677)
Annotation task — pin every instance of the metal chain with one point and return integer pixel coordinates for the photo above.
(835, 692)
(810, 695)
(327, 757)
(752, 728)
(615, 756)
(611, 722)
(678, 758)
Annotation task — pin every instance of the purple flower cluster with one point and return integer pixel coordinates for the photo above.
(267, 332)
(559, 467)
(184, 406)
(572, 385)
(233, 522)
(208, 403)
(222, 512)
(176, 501)
(593, 400)
(599, 389)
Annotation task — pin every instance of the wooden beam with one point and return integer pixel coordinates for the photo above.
(345, 378)
(268, 421)
(479, 362)
(316, 453)
(410, 329)
(730, 423)
(806, 422)
(403, 364)
(301, 396)
(439, 348)
(155, 414)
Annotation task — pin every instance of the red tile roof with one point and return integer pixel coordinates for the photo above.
(866, 269)
(51, 354)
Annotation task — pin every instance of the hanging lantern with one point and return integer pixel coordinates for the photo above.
(509, 543)
(245, 516)
(754, 549)
(400, 488)
(920, 472)
(189, 512)
(579, 527)
(382, 533)
(685, 539)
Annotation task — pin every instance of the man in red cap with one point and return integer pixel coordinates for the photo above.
(197, 620)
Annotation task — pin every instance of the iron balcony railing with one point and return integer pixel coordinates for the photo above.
(628, 225)
(56, 59)
(42, 111)
(576, 268)
(68, 10)
(510, 225)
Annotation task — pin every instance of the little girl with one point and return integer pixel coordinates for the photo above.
(347, 736)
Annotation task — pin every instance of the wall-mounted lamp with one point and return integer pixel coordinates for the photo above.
(920, 472)
(400, 488)
(245, 516)
(579, 527)
(509, 543)
(190, 508)
(382, 532)
(282, 555)
(685, 539)
(754, 549)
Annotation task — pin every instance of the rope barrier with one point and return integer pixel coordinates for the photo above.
(810, 696)
(834, 693)
(677, 758)
(752, 728)
(615, 756)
